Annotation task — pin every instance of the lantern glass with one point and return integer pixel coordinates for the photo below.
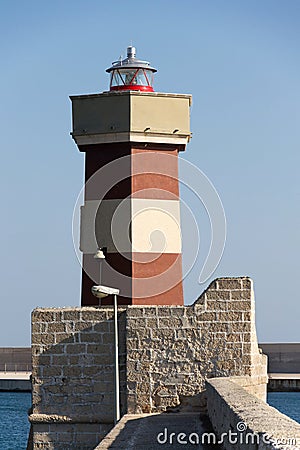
(149, 75)
(126, 77)
(116, 79)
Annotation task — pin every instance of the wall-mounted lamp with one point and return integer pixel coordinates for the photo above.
(101, 253)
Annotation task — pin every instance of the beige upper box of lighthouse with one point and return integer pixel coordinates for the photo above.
(131, 116)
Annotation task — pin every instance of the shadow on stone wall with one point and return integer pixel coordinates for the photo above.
(73, 375)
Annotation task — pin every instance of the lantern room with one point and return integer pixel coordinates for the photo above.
(131, 74)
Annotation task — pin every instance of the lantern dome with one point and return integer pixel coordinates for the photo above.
(131, 74)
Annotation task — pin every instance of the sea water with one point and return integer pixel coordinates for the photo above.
(286, 402)
(14, 425)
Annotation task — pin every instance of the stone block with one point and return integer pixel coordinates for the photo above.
(247, 316)
(215, 327)
(56, 327)
(72, 371)
(49, 445)
(104, 327)
(85, 360)
(138, 355)
(35, 327)
(70, 315)
(76, 349)
(66, 437)
(132, 344)
(229, 283)
(57, 349)
(217, 305)
(192, 334)
(150, 311)
(60, 360)
(99, 349)
(241, 295)
(161, 334)
(42, 428)
(64, 338)
(108, 338)
(105, 360)
(178, 311)
(169, 322)
(134, 311)
(43, 339)
(83, 326)
(243, 327)
(241, 305)
(104, 386)
(40, 437)
(206, 316)
(247, 283)
(151, 322)
(87, 438)
(91, 371)
(247, 347)
(94, 315)
(230, 316)
(91, 337)
(137, 322)
(247, 338)
(51, 371)
(226, 365)
(192, 310)
(43, 315)
(142, 333)
(234, 337)
(218, 295)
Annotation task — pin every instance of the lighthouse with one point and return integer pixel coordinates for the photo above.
(131, 137)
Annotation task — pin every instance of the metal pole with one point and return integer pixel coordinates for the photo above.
(117, 388)
(100, 276)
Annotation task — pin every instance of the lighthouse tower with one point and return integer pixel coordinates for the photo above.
(131, 137)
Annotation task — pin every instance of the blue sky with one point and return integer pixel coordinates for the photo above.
(239, 60)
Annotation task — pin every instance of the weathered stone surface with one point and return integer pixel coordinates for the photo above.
(75, 436)
(229, 283)
(165, 354)
(56, 327)
(217, 295)
(217, 305)
(232, 407)
(241, 295)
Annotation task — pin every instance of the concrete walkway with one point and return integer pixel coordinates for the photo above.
(160, 431)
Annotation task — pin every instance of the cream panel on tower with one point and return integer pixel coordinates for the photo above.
(160, 113)
(155, 226)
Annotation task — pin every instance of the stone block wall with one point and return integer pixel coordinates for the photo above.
(171, 351)
(246, 422)
(166, 354)
(73, 376)
(65, 435)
